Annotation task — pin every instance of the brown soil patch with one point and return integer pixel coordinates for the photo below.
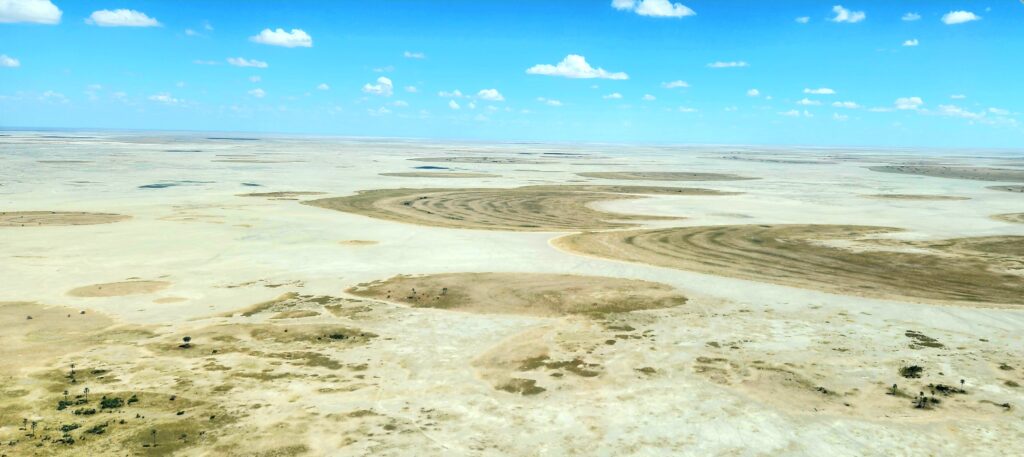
(358, 242)
(663, 176)
(1018, 189)
(943, 171)
(40, 218)
(534, 294)
(34, 334)
(1016, 218)
(530, 208)
(282, 194)
(970, 270)
(119, 289)
(916, 197)
(426, 174)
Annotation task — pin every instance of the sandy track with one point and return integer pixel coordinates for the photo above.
(531, 208)
(974, 270)
(118, 289)
(534, 294)
(1017, 218)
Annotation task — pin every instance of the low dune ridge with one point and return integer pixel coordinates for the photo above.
(533, 294)
(922, 197)
(833, 258)
(663, 176)
(426, 174)
(955, 172)
(119, 289)
(56, 218)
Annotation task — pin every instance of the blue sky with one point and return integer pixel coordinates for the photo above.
(866, 73)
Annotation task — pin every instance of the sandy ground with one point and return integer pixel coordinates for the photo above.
(281, 360)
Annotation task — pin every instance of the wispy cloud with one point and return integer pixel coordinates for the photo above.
(549, 102)
(802, 19)
(9, 62)
(675, 84)
(384, 87)
(490, 95)
(243, 62)
(732, 64)
(908, 103)
(911, 17)
(820, 91)
(911, 43)
(414, 55)
(612, 96)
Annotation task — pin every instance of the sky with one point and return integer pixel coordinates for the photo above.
(839, 73)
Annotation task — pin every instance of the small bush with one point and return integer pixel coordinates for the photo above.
(912, 371)
(63, 404)
(111, 403)
(65, 428)
(85, 411)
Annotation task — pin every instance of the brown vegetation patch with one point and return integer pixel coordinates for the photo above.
(977, 270)
(663, 176)
(535, 294)
(529, 208)
(482, 159)
(1017, 189)
(40, 218)
(119, 289)
(281, 194)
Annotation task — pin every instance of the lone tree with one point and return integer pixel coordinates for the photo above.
(186, 342)
(86, 392)
(152, 433)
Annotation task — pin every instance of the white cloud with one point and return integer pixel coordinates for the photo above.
(414, 55)
(51, 96)
(383, 87)
(191, 32)
(847, 105)
(9, 62)
(453, 105)
(911, 42)
(808, 102)
(379, 111)
(840, 117)
(956, 111)
(470, 105)
(574, 66)
(164, 98)
(959, 17)
(400, 103)
(255, 78)
(258, 93)
(686, 109)
(675, 84)
(549, 102)
(999, 111)
(490, 94)
(845, 15)
(910, 17)
(880, 109)
(121, 18)
(612, 96)
(908, 103)
(411, 89)
(648, 97)
(958, 96)
(453, 94)
(803, 20)
(36, 11)
(653, 8)
(734, 64)
(819, 91)
(753, 93)
(297, 38)
(323, 86)
(243, 62)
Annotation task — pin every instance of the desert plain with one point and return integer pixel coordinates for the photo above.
(223, 294)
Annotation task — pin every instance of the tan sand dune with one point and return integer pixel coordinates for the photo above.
(530, 208)
(968, 270)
